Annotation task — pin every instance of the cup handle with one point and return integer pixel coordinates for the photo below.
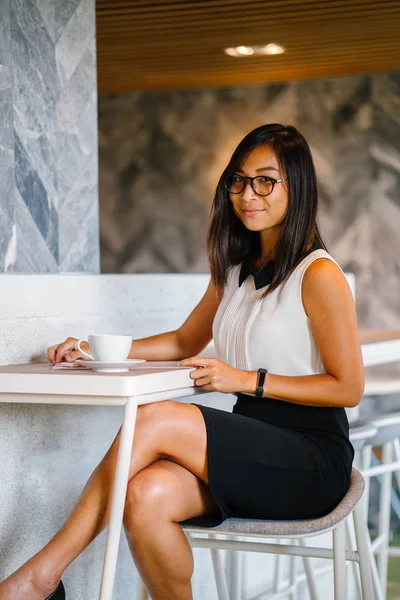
(83, 352)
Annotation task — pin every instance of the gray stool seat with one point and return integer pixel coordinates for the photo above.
(304, 527)
(361, 434)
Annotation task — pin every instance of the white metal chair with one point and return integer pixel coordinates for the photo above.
(359, 437)
(387, 437)
(287, 587)
(279, 530)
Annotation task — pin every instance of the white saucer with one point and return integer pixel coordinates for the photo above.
(110, 367)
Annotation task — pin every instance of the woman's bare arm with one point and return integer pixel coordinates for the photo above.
(329, 305)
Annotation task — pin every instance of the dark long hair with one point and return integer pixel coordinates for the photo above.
(229, 242)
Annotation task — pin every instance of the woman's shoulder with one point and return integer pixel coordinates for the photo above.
(314, 261)
(315, 269)
(322, 276)
(316, 255)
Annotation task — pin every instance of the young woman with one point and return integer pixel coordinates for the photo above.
(284, 325)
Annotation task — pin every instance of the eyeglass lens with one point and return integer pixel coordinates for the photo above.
(261, 185)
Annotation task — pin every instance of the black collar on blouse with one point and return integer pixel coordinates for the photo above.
(262, 276)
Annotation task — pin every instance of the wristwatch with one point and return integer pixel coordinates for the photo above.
(260, 384)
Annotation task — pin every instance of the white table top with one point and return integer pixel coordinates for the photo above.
(381, 352)
(41, 378)
(381, 385)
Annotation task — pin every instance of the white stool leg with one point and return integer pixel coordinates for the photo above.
(384, 516)
(293, 578)
(312, 586)
(220, 579)
(234, 573)
(366, 459)
(396, 450)
(279, 561)
(142, 592)
(339, 563)
(366, 558)
(354, 587)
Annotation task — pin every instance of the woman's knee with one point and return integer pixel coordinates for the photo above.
(150, 495)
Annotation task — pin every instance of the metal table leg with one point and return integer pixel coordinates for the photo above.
(118, 499)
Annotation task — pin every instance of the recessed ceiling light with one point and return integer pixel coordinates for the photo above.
(245, 50)
(255, 50)
(272, 49)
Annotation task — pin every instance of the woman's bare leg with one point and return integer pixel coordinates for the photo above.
(158, 498)
(165, 429)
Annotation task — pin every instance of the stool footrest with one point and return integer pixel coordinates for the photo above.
(269, 548)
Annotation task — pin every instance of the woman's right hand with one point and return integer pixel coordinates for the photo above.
(67, 351)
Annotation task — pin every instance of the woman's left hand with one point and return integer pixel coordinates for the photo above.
(214, 375)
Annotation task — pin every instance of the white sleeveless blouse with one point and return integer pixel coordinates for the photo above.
(272, 332)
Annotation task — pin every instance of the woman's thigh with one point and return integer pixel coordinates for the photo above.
(170, 491)
(172, 430)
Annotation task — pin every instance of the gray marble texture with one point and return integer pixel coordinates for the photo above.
(161, 155)
(48, 47)
(5, 45)
(7, 206)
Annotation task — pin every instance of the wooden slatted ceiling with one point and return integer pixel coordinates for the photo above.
(157, 45)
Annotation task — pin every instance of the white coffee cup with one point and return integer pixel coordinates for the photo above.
(107, 348)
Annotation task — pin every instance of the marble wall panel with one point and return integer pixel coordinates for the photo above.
(36, 79)
(161, 155)
(34, 255)
(50, 48)
(7, 208)
(5, 46)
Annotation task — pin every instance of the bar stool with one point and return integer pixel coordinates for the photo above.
(387, 437)
(359, 436)
(264, 530)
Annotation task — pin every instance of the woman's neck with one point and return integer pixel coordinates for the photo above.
(268, 246)
(259, 261)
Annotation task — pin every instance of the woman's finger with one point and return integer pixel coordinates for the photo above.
(64, 349)
(51, 353)
(59, 354)
(199, 372)
(72, 356)
(203, 381)
(196, 361)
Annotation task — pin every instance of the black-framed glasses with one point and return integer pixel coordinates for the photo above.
(261, 185)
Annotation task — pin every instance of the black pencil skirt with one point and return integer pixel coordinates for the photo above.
(263, 471)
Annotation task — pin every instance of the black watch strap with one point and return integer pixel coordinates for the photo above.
(260, 384)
